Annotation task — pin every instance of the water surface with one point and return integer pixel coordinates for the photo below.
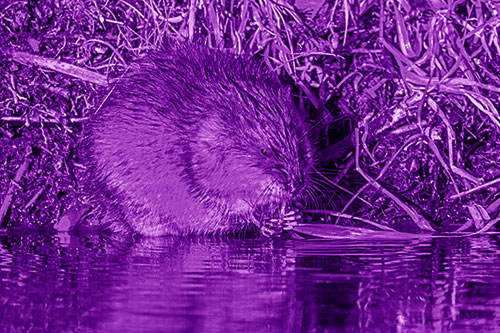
(170, 284)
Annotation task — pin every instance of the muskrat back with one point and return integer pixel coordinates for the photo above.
(197, 140)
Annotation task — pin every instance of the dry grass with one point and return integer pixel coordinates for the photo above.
(404, 97)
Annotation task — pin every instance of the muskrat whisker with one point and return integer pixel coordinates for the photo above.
(309, 197)
(312, 198)
(317, 204)
(325, 179)
(316, 193)
(319, 183)
(323, 191)
(324, 172)
(328, 180)
(316, 190)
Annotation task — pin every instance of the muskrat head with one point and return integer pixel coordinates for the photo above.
(253, 152)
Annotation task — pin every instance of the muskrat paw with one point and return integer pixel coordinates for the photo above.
(285, 222)
(291, 219)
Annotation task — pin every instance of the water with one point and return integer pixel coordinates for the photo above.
(63, 283)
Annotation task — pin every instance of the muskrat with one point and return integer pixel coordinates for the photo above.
(197, 140)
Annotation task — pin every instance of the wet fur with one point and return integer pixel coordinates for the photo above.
(195, 140)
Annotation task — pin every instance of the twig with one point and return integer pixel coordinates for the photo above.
(474, 189)
(348, 216)
(59, 66)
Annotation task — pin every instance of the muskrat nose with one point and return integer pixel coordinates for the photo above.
(291, 186)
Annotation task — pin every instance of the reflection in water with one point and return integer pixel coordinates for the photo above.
(172, 284)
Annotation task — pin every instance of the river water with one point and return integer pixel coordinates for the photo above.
(87, 284)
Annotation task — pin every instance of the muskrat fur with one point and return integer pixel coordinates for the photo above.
(197, 140)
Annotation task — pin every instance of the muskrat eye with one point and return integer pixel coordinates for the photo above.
(263, 152)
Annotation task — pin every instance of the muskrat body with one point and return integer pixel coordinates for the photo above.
(196, 140)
